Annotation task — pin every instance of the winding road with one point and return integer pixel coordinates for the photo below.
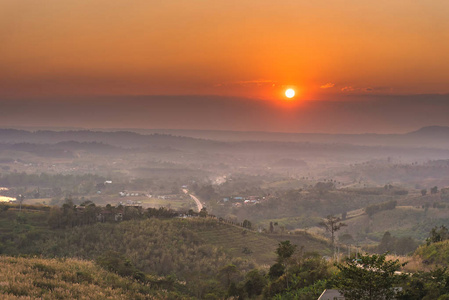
(197, 201)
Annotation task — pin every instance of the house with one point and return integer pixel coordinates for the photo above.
(331, 294)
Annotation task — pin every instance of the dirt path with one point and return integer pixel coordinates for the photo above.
(197, 201)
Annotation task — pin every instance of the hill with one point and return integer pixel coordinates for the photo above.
(414, 138)
(191, 250)
(431, 131)
(170, 245)
(32, 278)
(435, 253)
(239, 242)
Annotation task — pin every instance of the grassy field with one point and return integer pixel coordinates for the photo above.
(182, 202)
(290, 223)
(257, 246)
(155, 246)
(33, 278)
(435, 253)
(401, 221)
(236, 239)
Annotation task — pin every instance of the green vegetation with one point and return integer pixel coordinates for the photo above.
(435, 253)
(332, 224)
(372, 209)
(426, 286)
(400, 246)
(32, 278)
(159, 256)
(438, 235)
(368, 278)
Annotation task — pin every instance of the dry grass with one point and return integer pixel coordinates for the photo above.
(414, 263)
(36, 278)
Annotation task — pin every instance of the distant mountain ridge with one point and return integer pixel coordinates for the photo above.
(123, 139)
(431, 130)
(429, 136)
(426, 137)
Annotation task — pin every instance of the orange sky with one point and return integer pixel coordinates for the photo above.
(244, 48)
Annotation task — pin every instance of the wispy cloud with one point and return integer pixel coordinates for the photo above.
(350, 89)
(327, 85)
(255, 82)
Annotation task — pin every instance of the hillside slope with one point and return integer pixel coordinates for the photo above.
(31, 278)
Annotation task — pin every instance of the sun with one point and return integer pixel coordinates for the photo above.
(290, 93)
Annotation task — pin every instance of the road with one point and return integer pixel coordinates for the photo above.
(197, 201)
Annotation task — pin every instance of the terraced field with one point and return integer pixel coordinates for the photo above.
(257, 246)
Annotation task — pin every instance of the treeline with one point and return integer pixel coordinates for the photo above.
(173, 248)
(375, 208)
(154, 246)
(48, 180)
(397, 245)
(70, 215)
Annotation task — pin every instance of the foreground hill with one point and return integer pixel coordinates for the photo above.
(435, 253)
(194, 253)
(32, 278)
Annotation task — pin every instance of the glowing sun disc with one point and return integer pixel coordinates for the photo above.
(290, 93)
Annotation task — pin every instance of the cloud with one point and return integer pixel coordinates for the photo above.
(327, 85)
(348, 89)
(255, 82)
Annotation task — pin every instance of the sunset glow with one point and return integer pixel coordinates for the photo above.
(336, 52)
(290, 93)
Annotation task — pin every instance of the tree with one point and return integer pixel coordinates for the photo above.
(438, 235)
(323, 187)
(276, 270)
(387, 243)
(284, 251)
(20, 199)
(246, 224)
(54, 217)
(423, 192)
(368, 278)
(427, 285)
(203, 212)
(227, 272)
(332, 224)
(346, 239)
(254, 283)
(434, 190)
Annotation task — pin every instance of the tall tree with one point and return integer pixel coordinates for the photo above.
(285, 251)
(227, 272)
(20, 198)
(332, 224)
(369, 278)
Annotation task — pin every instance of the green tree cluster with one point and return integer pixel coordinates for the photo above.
(375, 208)
(368, 278)
(438, 234)
(401, 245)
